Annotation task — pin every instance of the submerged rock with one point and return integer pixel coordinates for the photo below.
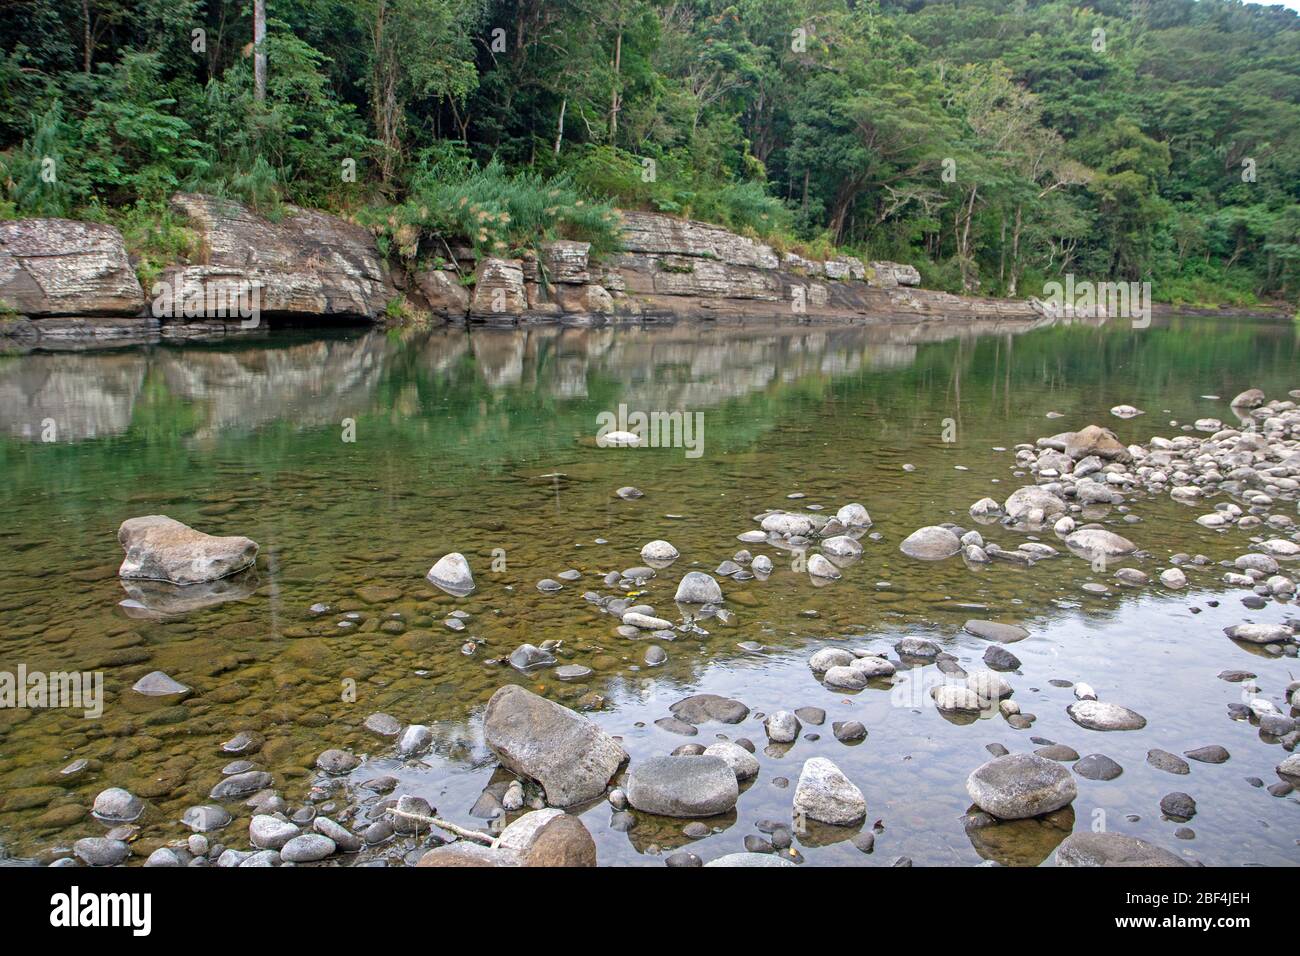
(451, 573)
(1018, 786)
(1112, 849)
(571, 757)
(159, 548)
(1098, 541)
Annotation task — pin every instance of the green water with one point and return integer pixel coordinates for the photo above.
(483, 443)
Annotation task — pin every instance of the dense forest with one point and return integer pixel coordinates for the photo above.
(994, 144)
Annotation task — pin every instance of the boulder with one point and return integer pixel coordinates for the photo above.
(1099, 541)
(571, 757)
(1100, 715)
(1095, 440)
(549, 838)
(1260, 633)
(305, 263)
(1018, 786)
(52, 267)
(161, 549)
(451, 573)
(824, 794)
(1112, 849)
(932, 543)
(498, 289)
(699, 786)
(1032, 498)
(444, 292)
(696, 587)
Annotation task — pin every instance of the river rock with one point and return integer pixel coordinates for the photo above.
(527, 658)
(1098, 541)
(702, 708)
(931, 543)
(682, 786)
(1097, 767)
(828, 657)
(826, 795)
(1100, 715)
(782, 727)
(820, 567)
(845, 677)
(571, 757)
(1095, 440)
(659, 551)
(696, 587)
(549, 838)
(955, 698)
(270, 833)
(1023, 502)
(749, 859)
(841, 546)
(1018, 786)
(206, 818)
(1085, 848)
(853, 516)
(307, 848)
(159, 548)
(995, 631)
(101, 851)
(116, 805)
(1260, 633)
(1250, 398)
(451, 573)
(742, 763)
(1000, 659)
(1173, 578)
(414, 740)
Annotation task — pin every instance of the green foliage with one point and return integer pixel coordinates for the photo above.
(994, 144)
(451, 199)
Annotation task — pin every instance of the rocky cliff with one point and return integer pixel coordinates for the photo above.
(66, 281)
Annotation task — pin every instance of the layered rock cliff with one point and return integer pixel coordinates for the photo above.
(62, 280)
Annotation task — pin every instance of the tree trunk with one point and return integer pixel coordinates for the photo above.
(559, 127)
(615, 100)
(259, 50)
(1015, 254)
(85, 27)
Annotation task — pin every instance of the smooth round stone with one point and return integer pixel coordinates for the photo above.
(782, 727)
(163, 856)
(337, 761)
(1097, 767)
(206, 818)
(270, 833)
(158, 684)
(1260, 633)
(572, 574)
(629, 493)
(242, 742)
(696, 587)
(1085, 848)
(659, 551)
(1019, 786)
(116, 805)
(100, 851)
(452, 574)
(307, 848)
(655, 655)
(1211, 754)
(995, 631)
(1098, 541)
(414, 739)
(549, 586)
(845, 677)
(931, 543)
(742, 763)
(1000, 659)
(682, 786)
(848, 731)
(237, 766)
(1101, 715)
(1178, 805)
(955, 698)
(572, 672)
(826, 658)
(383, 724)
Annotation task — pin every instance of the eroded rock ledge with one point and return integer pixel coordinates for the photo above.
(64, 281)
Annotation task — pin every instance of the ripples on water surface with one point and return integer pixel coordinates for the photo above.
(475, 442)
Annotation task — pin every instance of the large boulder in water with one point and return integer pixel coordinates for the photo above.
(826, 795)
(54, 267)
(451, 573)
(1016, 786)
(1095, 440)
(159, 548)
(697, 587)
(932, 543)
(571, 757)
(1024, 501)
